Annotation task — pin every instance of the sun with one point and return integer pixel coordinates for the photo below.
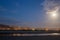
(53, 15)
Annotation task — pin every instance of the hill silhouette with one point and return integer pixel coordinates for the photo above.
(5, 26)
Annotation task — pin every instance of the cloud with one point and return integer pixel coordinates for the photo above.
(51, 5)
(2, 8)
(18, 5)
(9, 21)
(5, 10)
(13, 11)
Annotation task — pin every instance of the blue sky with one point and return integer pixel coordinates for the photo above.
(22, 12)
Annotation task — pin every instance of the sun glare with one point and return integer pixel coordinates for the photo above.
(53, 15)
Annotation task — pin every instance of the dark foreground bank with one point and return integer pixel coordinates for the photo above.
(30, 38)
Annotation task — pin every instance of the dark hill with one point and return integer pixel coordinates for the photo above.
(2, 25)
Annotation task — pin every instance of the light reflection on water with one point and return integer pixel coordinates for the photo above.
(43, 34)
(28, 33)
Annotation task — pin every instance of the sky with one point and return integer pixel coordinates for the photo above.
(30, 13)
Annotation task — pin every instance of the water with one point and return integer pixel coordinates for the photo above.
(30, 38)
(29, 35)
